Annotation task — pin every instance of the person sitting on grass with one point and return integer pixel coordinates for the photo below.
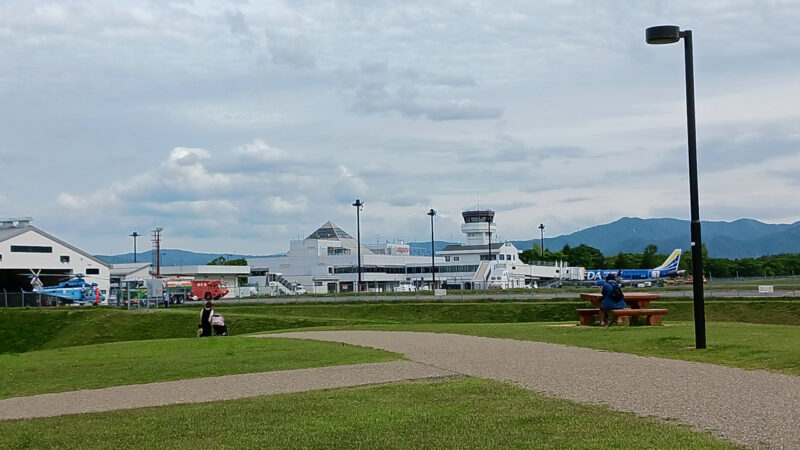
(205, 319)
(612, 298)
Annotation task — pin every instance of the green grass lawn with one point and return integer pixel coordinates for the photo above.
(463, 413)
(135, 362)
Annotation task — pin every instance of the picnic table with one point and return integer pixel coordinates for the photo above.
(638, 301)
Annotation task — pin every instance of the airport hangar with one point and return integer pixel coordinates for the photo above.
(24, 247)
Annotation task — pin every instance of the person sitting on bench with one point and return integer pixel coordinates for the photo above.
(612, 298)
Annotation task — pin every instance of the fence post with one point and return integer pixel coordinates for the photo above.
(22, 295)
(5, 296)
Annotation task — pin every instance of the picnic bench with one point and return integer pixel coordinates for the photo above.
(637, 302)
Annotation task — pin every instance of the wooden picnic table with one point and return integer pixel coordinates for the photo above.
(636, 300)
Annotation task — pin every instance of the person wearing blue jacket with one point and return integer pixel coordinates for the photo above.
(608, 299)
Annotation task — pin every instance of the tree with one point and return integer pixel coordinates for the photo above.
(221, 261)
(218, 261)
(649, 257)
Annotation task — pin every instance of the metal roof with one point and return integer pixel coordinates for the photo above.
(8, 233)
(455, 247)
(329, 231)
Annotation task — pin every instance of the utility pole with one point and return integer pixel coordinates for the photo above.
(134, 236)
(358, 204)
(541, 228)
(432, 213)
(155, 237)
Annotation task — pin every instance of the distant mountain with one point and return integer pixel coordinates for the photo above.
(743, 238)
(173, 257)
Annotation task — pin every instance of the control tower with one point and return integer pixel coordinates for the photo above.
(478, 226)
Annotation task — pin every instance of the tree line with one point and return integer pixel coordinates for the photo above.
(592, 258)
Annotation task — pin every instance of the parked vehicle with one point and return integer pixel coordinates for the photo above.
(405, 287)
(209, 289)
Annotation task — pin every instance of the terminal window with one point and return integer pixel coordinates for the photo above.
(31, 249)
(92, 271)
(64, 258)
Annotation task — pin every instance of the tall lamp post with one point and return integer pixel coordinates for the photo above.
(358, 204)
(541, 228)
(432, 213)
(134, 235)
(669, 34)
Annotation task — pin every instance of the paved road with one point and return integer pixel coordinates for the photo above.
(746, 407)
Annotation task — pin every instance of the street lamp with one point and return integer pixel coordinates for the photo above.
(134, 235)
(669, 34)
(433, 262)
(541, 228)
(358, 204)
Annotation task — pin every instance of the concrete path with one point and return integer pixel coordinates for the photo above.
(198, 390)
(750, 408)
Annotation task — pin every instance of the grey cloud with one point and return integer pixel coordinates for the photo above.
(239, 28)
(509, 149)
(735, 150)
(377, 88)
(293, 50)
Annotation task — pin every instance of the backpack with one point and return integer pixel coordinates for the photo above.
(616, 293)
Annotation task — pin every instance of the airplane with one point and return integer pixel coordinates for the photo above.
(666, 270)
(75, 290)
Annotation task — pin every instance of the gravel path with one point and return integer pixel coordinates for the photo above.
(751, 408)
(198, 390)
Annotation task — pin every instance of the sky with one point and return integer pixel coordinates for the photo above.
(237, 126)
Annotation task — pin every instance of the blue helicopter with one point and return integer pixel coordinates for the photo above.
(73, 291)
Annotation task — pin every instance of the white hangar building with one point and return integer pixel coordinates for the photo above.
(24, 247)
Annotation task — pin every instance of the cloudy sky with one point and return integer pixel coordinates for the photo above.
(237, 126)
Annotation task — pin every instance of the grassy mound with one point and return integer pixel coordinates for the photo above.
(29, 329)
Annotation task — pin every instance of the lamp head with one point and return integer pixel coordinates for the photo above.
(432, 212)
(662, 34)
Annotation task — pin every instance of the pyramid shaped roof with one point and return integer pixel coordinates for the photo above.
(329, 231)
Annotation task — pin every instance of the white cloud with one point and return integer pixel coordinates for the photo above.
(278, 114)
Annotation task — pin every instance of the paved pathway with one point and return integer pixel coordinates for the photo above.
(198, 390)
(746, 407)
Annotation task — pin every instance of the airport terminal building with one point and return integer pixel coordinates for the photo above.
(327, 261)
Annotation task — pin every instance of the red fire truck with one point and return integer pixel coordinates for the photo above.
(186, 289)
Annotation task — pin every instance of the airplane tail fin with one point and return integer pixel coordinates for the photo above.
(671, 263)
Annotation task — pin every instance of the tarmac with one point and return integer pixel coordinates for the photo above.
(751, 408)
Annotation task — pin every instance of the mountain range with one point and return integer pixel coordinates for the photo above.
(743, 238)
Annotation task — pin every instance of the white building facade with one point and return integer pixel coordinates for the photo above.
(327, 261)
(25, 248)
